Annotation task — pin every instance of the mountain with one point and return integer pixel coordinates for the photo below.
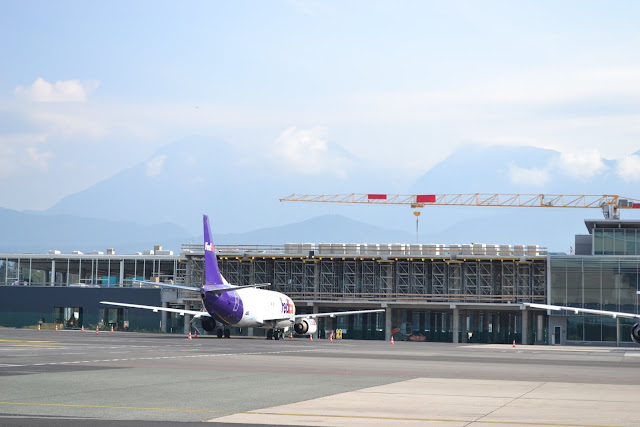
(37, 233)
(240, 191)
(321, 229)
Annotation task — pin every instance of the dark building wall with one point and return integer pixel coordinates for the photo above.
(27, 305)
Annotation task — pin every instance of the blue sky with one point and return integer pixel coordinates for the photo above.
(88, 89)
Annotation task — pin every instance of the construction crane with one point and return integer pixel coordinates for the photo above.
(609, 204)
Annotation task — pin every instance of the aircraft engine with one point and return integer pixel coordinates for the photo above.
(208, 324)
(306, 327)
(635, 333)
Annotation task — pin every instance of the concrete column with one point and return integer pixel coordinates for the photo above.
(540, 333)
(486, 317)
(465, 322)
(315, 311)
(455, 325)
(163, 317)
(617, 332)
(388, 323)
(249, 332)
(187, 317)
(52, 276)
(121, 272)
(525, 327)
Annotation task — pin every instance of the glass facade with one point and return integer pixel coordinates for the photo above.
(616, 241)
(596, 282)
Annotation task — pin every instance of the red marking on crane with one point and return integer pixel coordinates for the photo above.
(635, 206)
(377, 196)
(425, 198)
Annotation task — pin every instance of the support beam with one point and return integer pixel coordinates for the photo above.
(465, 331)
(316, 311)
(455, 325)
(540, 330)
(525, 327)
(617, 332)
(187, 317)
(387, 323)
(163, 317)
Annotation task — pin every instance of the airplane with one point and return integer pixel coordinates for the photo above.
(635, 329)
(245, 306)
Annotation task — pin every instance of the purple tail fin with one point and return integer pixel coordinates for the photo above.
(212, 274)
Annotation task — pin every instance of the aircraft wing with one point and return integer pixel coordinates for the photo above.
(576, 310)
(337, 313)
(169, 285)
(235, 288)
(156, 309)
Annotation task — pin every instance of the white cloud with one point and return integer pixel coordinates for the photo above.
(155, 165)
(628, 168)
(581, 164)
(60, 91)
(69, 125)
(19, 155)
(307, 152)
(532, 177)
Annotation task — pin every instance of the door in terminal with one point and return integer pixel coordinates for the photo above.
(557, 333)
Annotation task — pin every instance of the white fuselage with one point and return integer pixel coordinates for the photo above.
(266, 308)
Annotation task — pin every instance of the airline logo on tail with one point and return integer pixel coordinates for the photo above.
(209, 247)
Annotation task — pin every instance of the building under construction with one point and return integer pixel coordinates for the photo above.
(431, 292)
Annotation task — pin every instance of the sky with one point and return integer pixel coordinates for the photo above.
(88, 89)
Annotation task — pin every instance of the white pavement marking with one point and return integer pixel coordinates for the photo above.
(168, 357)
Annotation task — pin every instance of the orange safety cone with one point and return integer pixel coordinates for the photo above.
(195, 335)
(290, 335)
(82, 328)
(392, 342)
(514, 343)
(331, 338)
(111, 328)
(38, 326)
(56, 327)
(310, 337)
(189, 336)
(97, 331)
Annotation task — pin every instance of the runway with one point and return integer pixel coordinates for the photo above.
(80, 378)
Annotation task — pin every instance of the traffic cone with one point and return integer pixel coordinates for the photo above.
(111, 328)
(97, 331)
(331, 337)
(392, 342)
(514, 343)
(290, 335)
(56, 327)
(189, 336)
(310, 337)
(82, 328)
(38, 326)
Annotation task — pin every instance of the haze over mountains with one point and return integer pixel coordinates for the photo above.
(161, 200)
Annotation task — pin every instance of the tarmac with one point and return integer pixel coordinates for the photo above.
(131, 379)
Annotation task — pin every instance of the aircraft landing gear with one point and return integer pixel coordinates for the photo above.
(274, 334)
(219, 332)
(227, 333)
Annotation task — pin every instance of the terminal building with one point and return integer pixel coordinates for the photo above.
(455, 293)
